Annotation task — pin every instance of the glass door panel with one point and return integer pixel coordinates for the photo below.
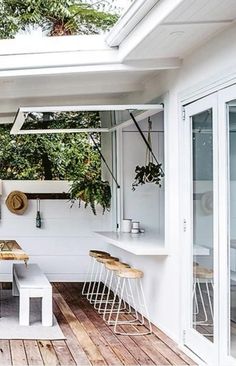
(201, 230)
(202, 216)
(232, 225)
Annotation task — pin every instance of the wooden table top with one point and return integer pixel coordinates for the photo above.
(11, 250)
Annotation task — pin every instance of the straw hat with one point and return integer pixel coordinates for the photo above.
(207, 202)
(17, 202)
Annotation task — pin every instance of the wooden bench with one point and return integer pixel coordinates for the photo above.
(29, 281)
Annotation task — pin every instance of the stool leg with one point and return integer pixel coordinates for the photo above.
(90, 294)
(99, 301)
(89, 277)
(47, 309)
(209, 299)
(109, 321)
(108, 296)
(145, 308)
(203, 305)
(196, 312)
(96, 292)
(119, 306)
(103, 294)
(24, 307)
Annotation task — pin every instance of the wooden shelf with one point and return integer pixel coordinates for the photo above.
(48, 196)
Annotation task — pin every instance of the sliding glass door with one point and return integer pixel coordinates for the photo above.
(201, 222)
(227, 229)
(209, 214)
(231, 110)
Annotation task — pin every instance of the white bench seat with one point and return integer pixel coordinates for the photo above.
(29, 281)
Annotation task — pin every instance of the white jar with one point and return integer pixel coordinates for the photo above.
(126, 225)
(136, 225)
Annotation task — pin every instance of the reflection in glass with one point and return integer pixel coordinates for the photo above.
(232, 201)
(203, 287)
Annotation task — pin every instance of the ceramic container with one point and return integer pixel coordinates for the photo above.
(126, 225)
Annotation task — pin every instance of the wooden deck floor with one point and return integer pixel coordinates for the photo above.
(89, 340)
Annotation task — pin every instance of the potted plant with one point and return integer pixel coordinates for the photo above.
(150, 172)
(92, 191)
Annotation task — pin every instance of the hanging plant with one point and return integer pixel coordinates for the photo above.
(92, 192)
(89, 187)
(150, 172)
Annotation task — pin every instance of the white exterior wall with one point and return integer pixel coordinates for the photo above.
(60, 247)
(209, 64)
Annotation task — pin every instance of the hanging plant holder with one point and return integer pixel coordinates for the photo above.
(151, 172)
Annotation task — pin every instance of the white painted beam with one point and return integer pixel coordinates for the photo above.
(155, 64)
(23, 45)
(159, 64)
(61, 89)
(59, 130)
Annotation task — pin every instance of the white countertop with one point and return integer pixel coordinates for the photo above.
(139, 244)
(200, 250)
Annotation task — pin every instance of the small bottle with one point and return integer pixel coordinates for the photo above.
(38, 219)
(38, 216)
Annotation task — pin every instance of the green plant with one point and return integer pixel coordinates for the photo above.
(151, 173)
(92, 192)
(56, 17)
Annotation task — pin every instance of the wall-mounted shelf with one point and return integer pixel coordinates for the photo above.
(48, 196)
(139, 244)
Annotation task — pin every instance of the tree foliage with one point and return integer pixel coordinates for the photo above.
(56, 17)
(54, 156)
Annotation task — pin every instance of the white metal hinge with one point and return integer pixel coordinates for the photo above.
(183, 114)
(185, 225)
(184, 336)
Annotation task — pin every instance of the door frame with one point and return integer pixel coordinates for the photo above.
(192, 339)
(225, 95)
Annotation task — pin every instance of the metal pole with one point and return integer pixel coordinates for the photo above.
(102, 157)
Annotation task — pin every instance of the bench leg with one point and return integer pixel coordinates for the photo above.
(47, 308)
(24, 307)
(15, 291)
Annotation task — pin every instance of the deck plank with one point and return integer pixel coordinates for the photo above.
(63, 353)
(18, 353)
(48, 353)
(32, 353)
(72, 342)
(89, 347)
(5, 353)
(172, 344)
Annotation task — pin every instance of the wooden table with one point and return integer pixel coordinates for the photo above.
(14, 252)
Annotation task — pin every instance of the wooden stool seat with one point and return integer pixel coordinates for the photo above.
(115, 266)
(130, 273)
(201, 272)
(97, 253)
(105, 259)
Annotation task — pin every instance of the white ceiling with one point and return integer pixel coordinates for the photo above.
(188, 26)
